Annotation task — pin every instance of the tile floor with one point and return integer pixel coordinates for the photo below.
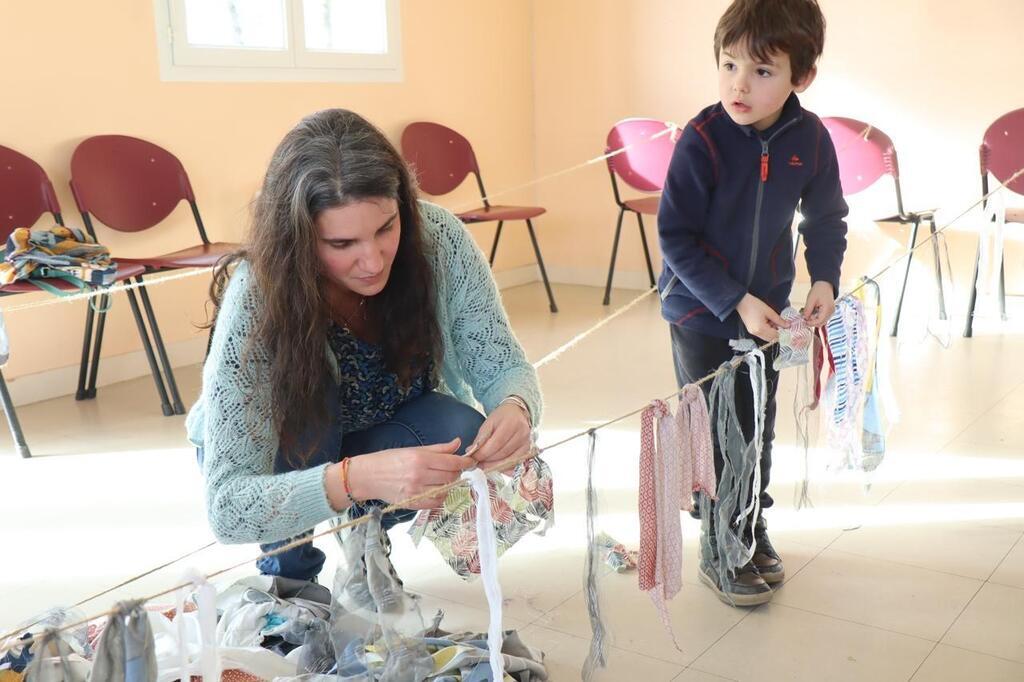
(918, 577)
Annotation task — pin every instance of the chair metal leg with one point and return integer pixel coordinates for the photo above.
(906, 276)
(938, 270)
(97, 345)
(615, 250)
(543, 271)
(165, 405)
(83, 367)
(12, 420)
(494, 246)
(1002, 287)
(969, 324)
(647, 252)
(179, 408)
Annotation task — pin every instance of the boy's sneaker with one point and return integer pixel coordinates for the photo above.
(746, 588)
(766, 559)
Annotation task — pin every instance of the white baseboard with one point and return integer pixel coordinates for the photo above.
(635, 280)
(62, 381)
(591, 277)
(515, 277)
(597, 277)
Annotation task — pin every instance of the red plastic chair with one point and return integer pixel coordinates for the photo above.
(1001, 155)
(131, 185)
(25, 194)
(643, 167)
(442, 158)
(865, 154)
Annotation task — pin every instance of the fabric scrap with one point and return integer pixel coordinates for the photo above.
(518, 505)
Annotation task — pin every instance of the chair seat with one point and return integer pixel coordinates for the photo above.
(492, 213)
(910, 217)
(645, 205)
(1015, 215)
(124, 271)
(199, 256)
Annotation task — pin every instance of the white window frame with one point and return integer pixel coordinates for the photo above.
(180, 61)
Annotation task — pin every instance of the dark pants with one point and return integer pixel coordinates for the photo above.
(697, 355)
(425, 420)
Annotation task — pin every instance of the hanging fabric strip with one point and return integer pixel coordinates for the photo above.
(406, 658)
(205, 596)
(596, 655)
(698, 455)
(126, 652)
(991, 242)
(874, 426)
(180, 598)
(739, 484)
(488, 549)
(805, 401)
(662, 470)
(43, 668)
(817, 365)
(647, 503)
(844, 393)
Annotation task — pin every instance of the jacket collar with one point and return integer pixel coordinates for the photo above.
(791, 112)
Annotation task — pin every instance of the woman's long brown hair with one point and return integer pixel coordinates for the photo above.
(330, 159)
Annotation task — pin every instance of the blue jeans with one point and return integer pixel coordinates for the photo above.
(425, 420)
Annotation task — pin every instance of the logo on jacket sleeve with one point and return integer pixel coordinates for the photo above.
(795, 161)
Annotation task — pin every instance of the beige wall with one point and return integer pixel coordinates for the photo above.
(535, 85)
(931, 73)
(74, 69)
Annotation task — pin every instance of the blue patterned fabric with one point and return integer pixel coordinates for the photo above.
(368, 393)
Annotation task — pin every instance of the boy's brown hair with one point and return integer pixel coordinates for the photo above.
(796, 27)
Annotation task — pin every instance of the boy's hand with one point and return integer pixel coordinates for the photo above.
(821, 303)
(759, 318)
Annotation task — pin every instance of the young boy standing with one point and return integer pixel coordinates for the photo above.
(740, 170)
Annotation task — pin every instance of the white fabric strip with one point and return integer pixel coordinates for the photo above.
(487, 547)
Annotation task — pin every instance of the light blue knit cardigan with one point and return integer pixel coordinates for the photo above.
(482, 363)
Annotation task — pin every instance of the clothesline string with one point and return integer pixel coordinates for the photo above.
(511, 461)
(670, 129)
(104, 291)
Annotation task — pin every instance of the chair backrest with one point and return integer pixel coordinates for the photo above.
(441, 157)
(1002, 149)
(865, 153)
(645, 165)
(25, 193)
(129, 184)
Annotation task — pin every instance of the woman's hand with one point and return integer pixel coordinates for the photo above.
(398, 474)
(503, 435)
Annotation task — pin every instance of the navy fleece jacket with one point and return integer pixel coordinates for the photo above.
(726, 214)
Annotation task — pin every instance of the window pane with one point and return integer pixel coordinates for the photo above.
(359, 26)
(236, 23)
